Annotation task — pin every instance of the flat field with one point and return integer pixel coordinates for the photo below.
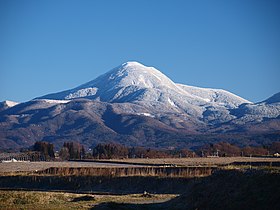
(32, 200)
(33, 166)
(194, 161)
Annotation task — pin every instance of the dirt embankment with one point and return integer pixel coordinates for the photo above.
(231, 190)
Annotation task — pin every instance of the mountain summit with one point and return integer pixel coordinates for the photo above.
(135, 83)
(122, 83)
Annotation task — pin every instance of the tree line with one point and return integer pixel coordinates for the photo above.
(74, 150)
(221, 149)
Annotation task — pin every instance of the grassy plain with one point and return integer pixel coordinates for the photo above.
(194, 161)
(33, 166)
(36, 200)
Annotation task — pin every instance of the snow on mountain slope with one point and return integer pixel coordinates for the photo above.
(135, 83)
(56, 101)
(273, 99)
(121, 81)
(29, 107)
(215, 96)
(7, 104)
(256, 112)
(269, 108)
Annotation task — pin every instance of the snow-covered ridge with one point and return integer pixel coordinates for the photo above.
(132, 82)
(91, 91)
(10, 103)
(51, 101)
(273, 99)
(218, 96)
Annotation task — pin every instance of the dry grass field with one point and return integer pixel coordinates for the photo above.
(37, 166)
(195, 161)
(34, 200)
(33, 166)
(226, 190)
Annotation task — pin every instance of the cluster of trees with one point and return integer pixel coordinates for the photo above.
(70, 150)
(108, 151)
(224, 149)
(74, 150)
(274, 148)
(221, 149)
(46, 149)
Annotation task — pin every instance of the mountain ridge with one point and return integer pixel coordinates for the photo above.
(137, 105)
(135, 83)
(129, 75)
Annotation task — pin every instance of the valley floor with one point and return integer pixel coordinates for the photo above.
(33, 166)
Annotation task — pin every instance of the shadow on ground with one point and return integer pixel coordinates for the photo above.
(119, 206)
(231, 190)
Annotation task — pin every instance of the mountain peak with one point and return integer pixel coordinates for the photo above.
(130, 78)
(132, 63)
(129, 74)
(134, 66)
(137, 83)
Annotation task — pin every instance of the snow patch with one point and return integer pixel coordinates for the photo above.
(11, 103)
(171, 102)
(82, 93)
(56, 101)
(145, 114)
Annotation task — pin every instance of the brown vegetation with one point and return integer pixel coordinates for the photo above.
(34, 200)
(191, 171)
(134, 162)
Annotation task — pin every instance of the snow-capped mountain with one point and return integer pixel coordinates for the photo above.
(135, 83)
(139, 106)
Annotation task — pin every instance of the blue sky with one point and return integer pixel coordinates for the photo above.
(53, 45)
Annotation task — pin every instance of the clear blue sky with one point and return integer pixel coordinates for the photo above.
(53, 45)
